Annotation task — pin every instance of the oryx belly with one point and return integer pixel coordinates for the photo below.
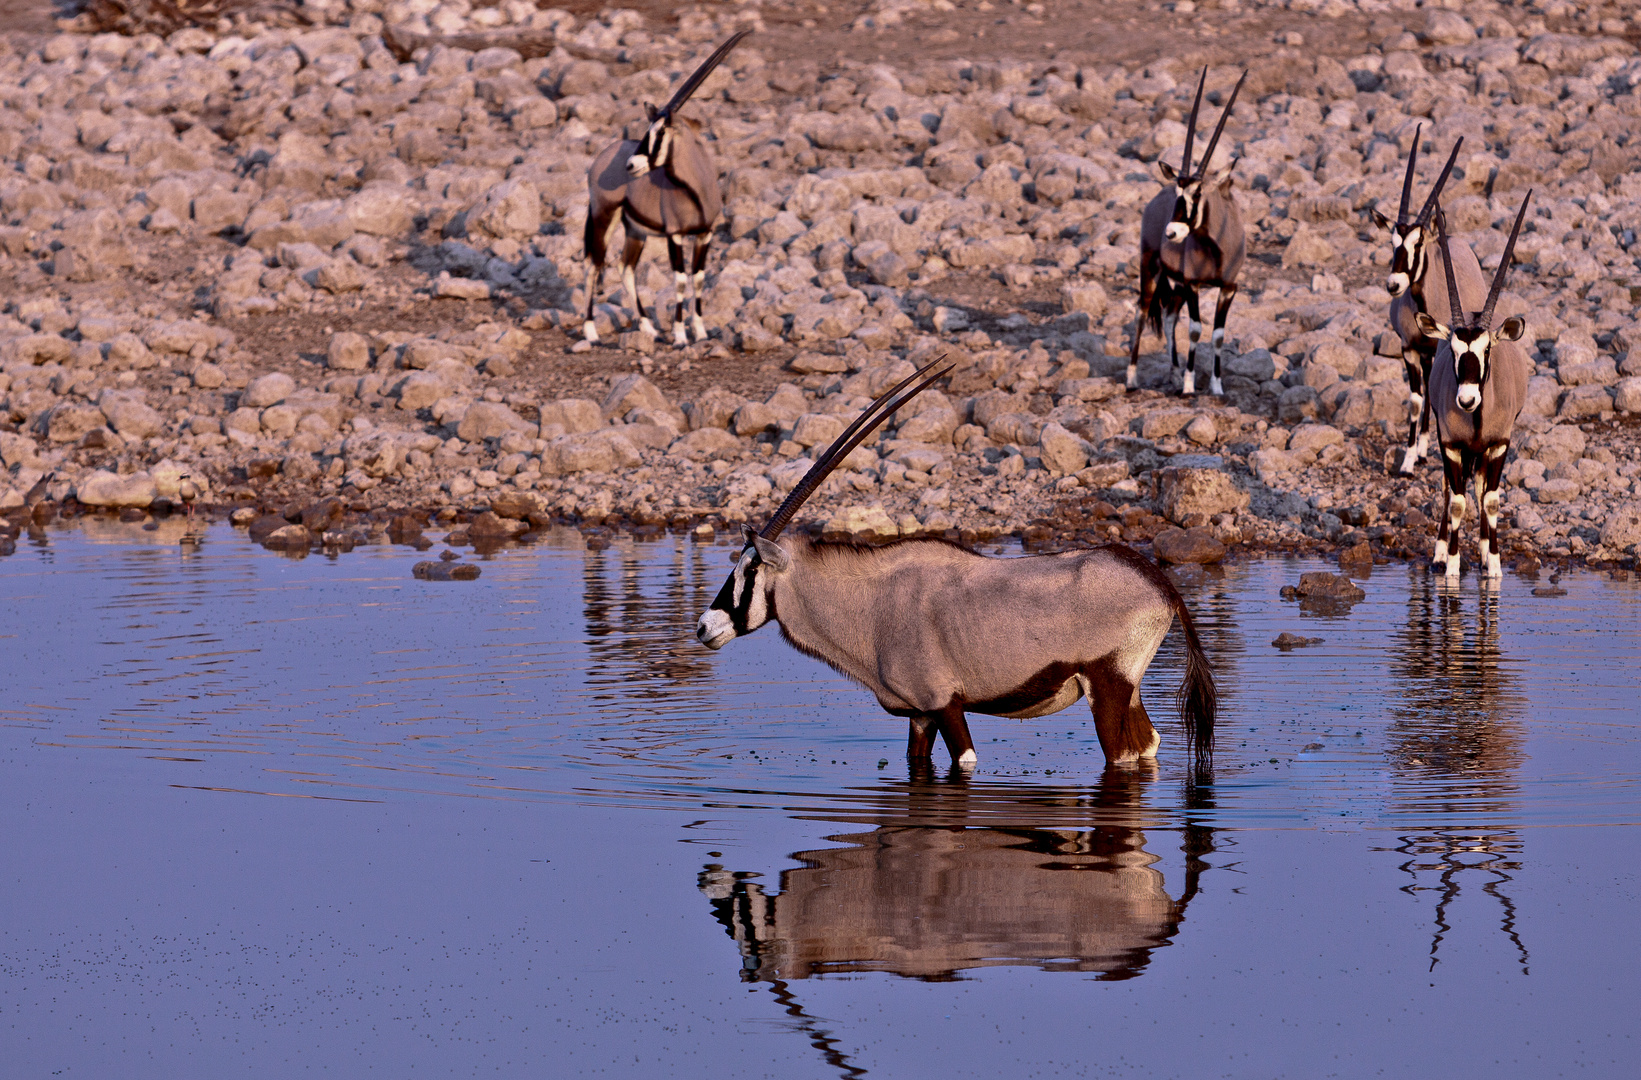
(1065, 694)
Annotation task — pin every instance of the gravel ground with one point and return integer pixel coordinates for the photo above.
(273, 268)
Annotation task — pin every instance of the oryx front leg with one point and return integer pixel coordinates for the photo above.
(953, 728)
(1222, 308)
(698, 282)
(680, 281)
(1492, 473)
(1195, 331)
(1418, 412)
(1447, 541)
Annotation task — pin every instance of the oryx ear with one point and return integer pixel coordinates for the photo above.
(1430, 327)
(1222, 179)
(1513, 328)
(772, 554)
(1379, 219)
(651, 111)
(1167, 171)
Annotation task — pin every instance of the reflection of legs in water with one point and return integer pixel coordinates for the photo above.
(1455, 854)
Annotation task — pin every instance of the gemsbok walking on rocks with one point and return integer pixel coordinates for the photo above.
(1416, 268)
(665, 184)
(935, 630)
(1478, 385)
(1191, 238)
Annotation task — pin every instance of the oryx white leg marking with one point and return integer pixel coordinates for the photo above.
(698, 284)
(1194, 331)
(967, 759)
(1455, 517)
(1214, 386)
(629, 282)
(679, 281)
(1490, 555)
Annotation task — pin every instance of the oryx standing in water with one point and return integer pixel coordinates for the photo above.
(1478, 385)
(1416, 266)
(1191, 238)
(665, 184)
(935, 630)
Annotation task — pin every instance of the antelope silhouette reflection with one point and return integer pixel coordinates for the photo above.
(639, 607)
(1455, 745)
(1056, 878)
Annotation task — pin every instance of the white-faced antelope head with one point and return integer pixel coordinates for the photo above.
(746, 600)
(655, 148)
(1410, 237)
(1470, 341)
(1192, 188)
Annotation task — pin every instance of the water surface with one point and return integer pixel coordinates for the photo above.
(264, 815)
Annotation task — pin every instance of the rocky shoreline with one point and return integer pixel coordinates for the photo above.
(277, 274)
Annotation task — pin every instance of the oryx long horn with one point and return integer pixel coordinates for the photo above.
(693, 83)
(1208, 158)
(866, 423)
(1504, 265)
(1407, 181)
(1459, 316)
(1435, 192)
(1191, 128)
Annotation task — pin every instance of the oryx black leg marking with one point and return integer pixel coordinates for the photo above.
(1457, 466)
(1149, 267)
(1195, 332)
(1222, 307)
(1120, 718)
(698, 283)
(675, 255)
(954, 728)
(1487, 493)
(630, 254)
(920, 735)
(595, 240)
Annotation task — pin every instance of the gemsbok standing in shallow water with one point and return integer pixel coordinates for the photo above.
(1478, 385)
(1416, 269)
(1191, 238)
(935, 630)
(665, 184)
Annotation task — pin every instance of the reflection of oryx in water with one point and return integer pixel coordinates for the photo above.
(633, 632)
(930, 892)
(1455, 742)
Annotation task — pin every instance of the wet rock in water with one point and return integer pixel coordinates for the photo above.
(1549, 590)
(1196, 545)
(289, 537)
(1286, 641)
(444, 571)
(1357, 561)
(243, 516)
(1321, 585)
(8, 546)
(491, 526)
(103, 488)
(521, 506)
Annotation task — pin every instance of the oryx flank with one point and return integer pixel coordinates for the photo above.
(935, 630)
(1414, 286)
(1191, 238)
(1478, 385)
(664, 184)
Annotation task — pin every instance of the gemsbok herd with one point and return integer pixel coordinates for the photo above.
(934, 630)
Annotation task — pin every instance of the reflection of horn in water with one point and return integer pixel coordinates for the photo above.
(926, 895)
(819, 1037)
(1455, 742)
(639, 633)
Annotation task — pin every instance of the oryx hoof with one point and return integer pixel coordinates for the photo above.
(698, 328)
(589, 332)
(680, 339)
(1216, 388)
(968, 759)
(647, 328)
